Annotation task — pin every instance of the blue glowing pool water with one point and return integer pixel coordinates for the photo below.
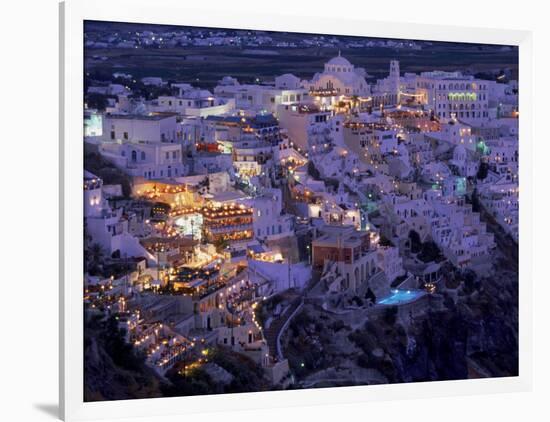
(399, 297)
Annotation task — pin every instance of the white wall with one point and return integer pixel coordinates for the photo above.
(151, 130)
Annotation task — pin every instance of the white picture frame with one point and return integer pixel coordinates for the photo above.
(72, 15)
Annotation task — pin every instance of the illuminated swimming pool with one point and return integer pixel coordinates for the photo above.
(400, 297)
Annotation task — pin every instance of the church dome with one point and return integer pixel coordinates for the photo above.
(339, 61)
(199, 94)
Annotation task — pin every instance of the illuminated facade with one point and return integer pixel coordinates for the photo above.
(386, 92)
(106, 226)
(228, 223)
(299, 118)
(342, 77)
(196, 281)
(150, 160)
(353, 252)
(259, 98)
(172, 193)
(370, 141)
(451, 94)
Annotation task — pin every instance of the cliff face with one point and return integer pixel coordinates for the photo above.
(471, 333)
(457, 344)
(111, 369)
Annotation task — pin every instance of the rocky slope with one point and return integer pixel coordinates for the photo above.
(112, 370)
(474, 334)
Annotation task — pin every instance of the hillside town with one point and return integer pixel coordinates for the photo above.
(264, 228)
(169, 37)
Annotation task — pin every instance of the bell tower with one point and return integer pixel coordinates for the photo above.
(395, 79)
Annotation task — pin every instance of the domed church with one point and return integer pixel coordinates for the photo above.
(342, 77)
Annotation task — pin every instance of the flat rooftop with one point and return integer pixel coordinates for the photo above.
(151, 116)
(228, 196)
(345, 236)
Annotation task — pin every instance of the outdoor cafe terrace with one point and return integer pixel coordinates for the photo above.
(212, 212)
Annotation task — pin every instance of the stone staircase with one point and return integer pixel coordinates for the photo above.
(273, 333)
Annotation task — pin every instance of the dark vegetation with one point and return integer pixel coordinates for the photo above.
(482, 171)
(305, 351)
(474, 200)
(426, 251)
(247, 376)
(312, 170)
(98, 101)
(94, 256)
(111, 175)
(384, 241)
